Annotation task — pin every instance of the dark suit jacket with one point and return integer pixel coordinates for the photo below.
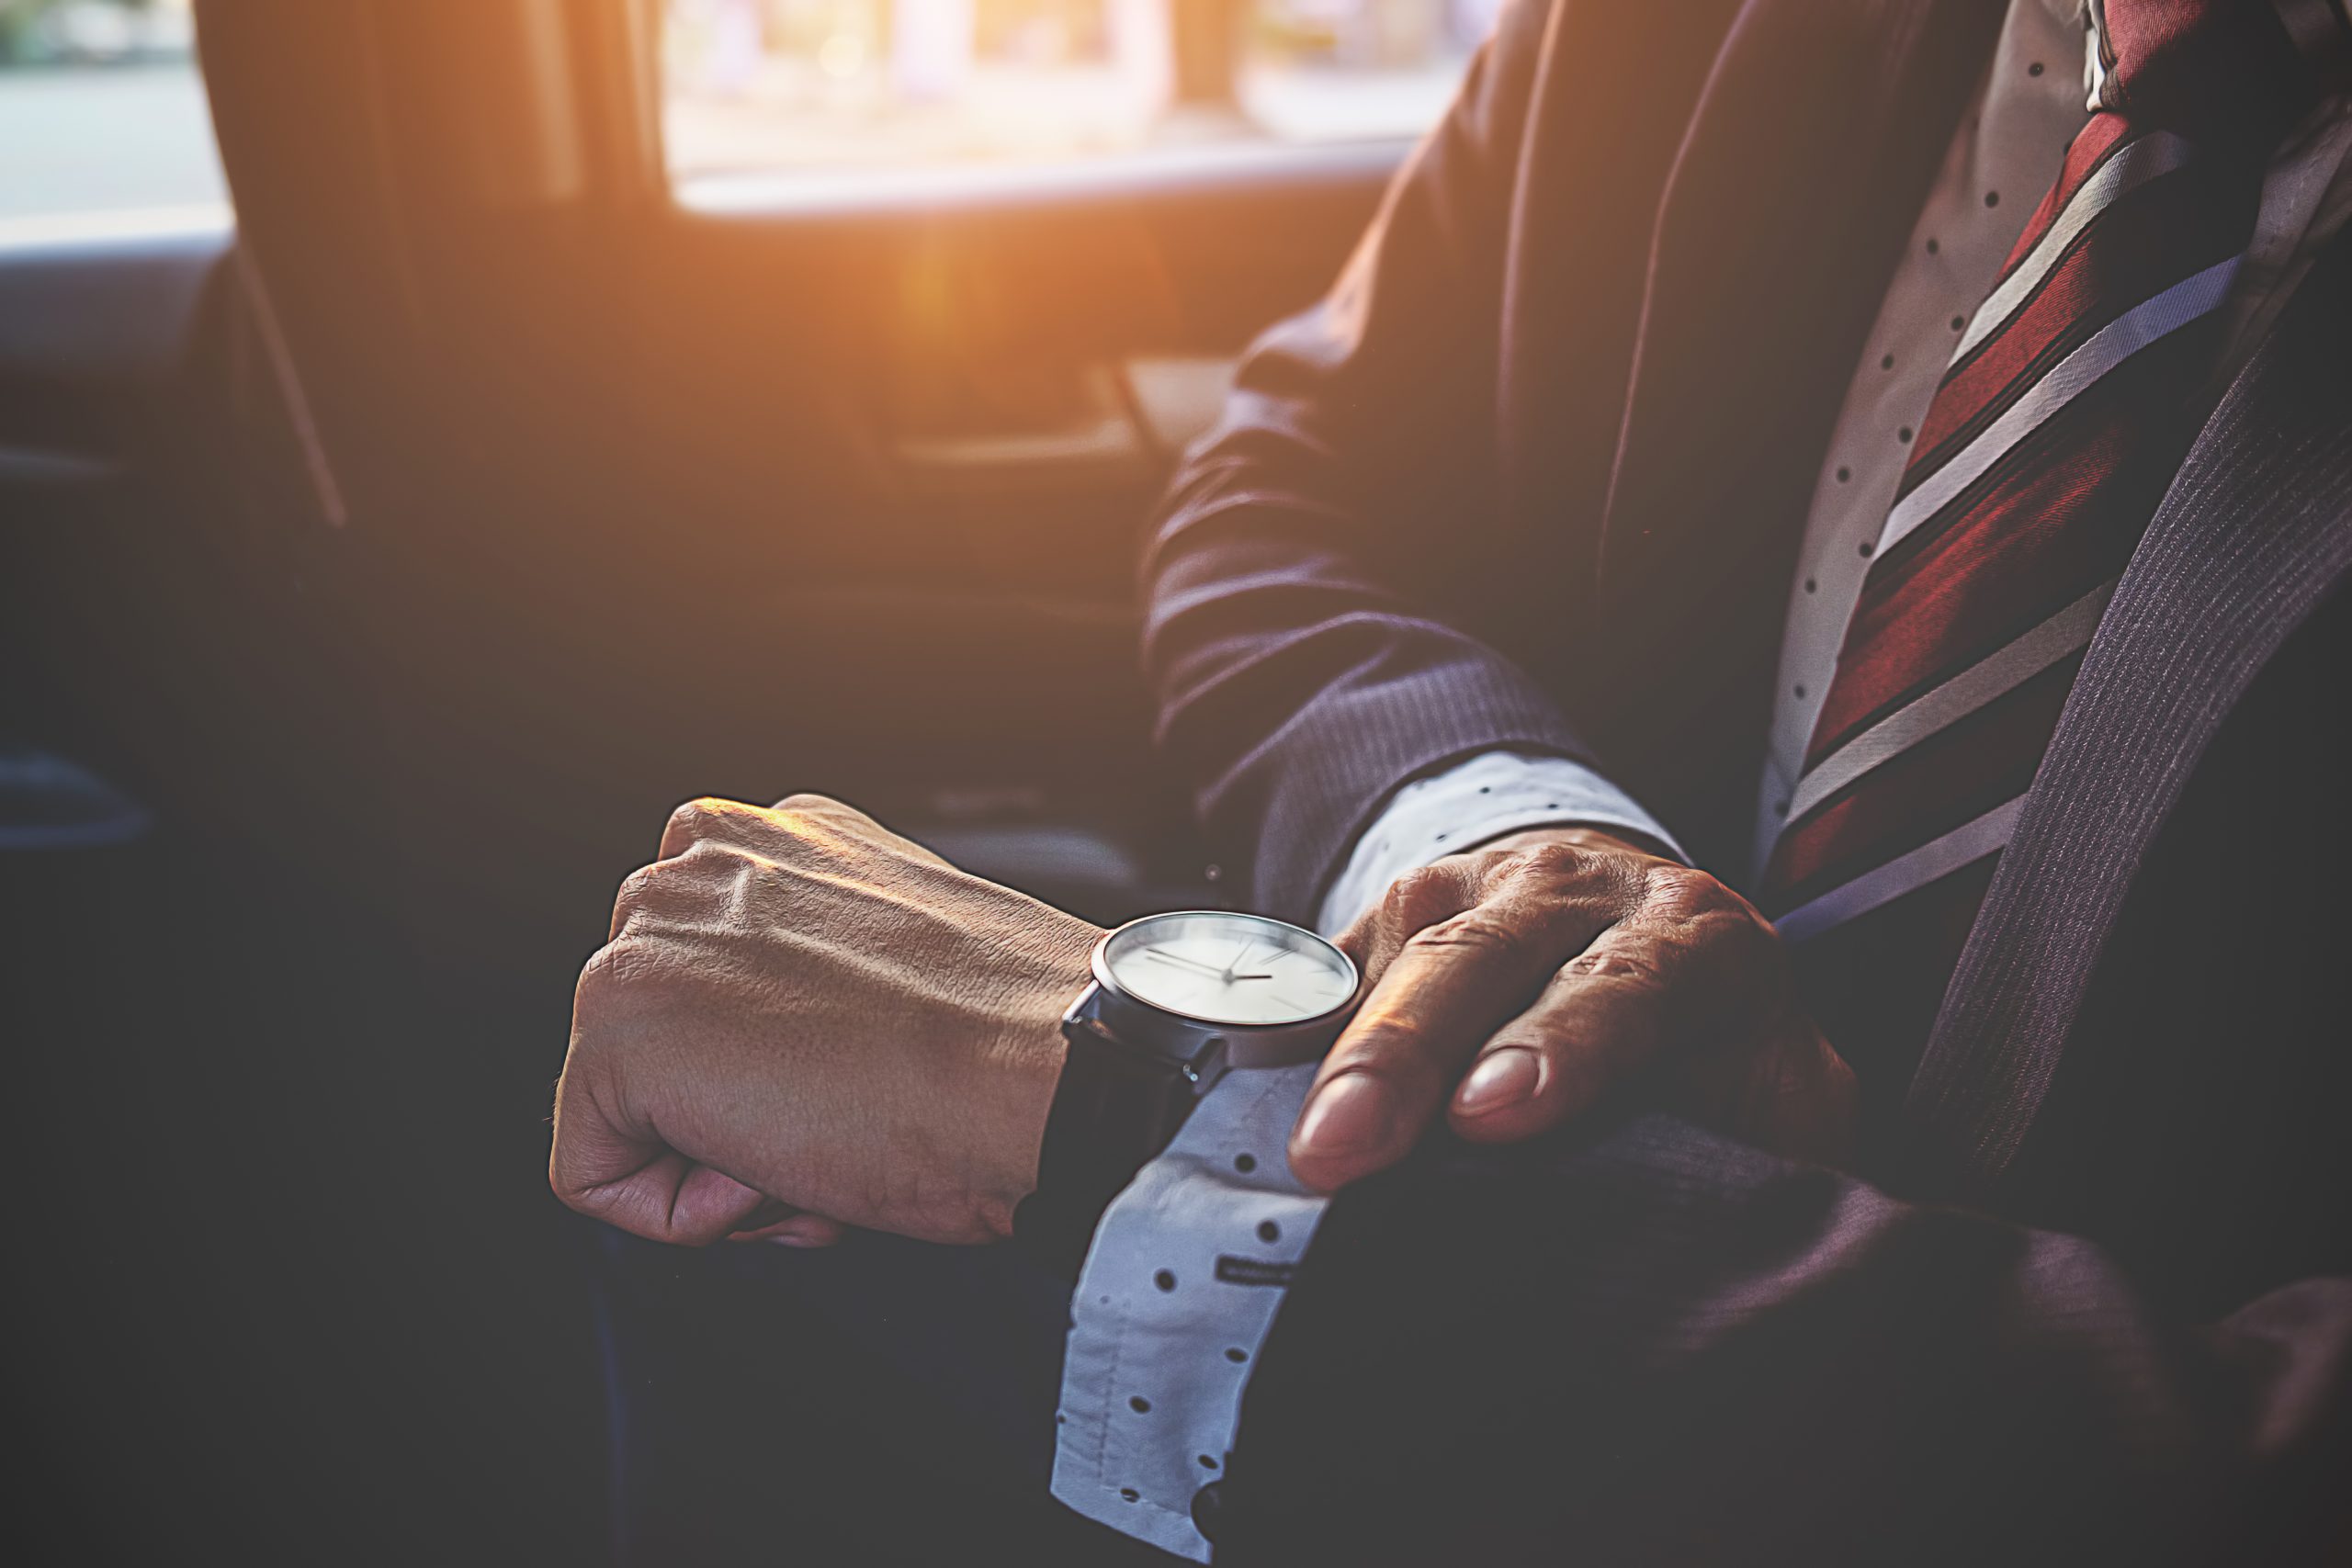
(1534, 474)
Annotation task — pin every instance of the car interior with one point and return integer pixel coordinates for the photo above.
(383, 566)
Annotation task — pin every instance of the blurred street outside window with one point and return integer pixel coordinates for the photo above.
(104, 125)
(804, 85)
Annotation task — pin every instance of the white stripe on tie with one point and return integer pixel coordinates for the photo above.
(1993, 676)
(1930, 861)
(2147, 323)
(2158, 152)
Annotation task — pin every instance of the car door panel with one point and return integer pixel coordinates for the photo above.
(831, 484)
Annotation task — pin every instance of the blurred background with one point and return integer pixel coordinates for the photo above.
(438, 436)
(101, 108)
(812, 83)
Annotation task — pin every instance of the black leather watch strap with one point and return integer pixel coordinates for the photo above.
(1113, 1109)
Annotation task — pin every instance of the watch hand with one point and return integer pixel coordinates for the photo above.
(1240, 957)
(1187, 962)
(1196, 963)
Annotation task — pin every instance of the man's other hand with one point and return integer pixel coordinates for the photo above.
(803, 1021)
(1514, 985)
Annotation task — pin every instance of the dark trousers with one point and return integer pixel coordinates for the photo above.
(881, 1402)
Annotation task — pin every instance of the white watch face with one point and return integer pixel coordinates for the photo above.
(1230, 969)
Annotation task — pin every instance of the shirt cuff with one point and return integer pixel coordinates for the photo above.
(1187, 1271)
(1470, 804)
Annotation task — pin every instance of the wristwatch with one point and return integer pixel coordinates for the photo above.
(1177, 1000)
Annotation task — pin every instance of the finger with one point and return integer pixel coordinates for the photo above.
(792, 1227)
(773, 1221)
(677, 886)
(668, 1198)
(1419, 899)
(1450, 984)
(634, 888)
(701, 819)
(764, 829)
(610, 1168)
(1620, 1009)
(1599, 1020)
(1808, 1111)
(1693, 964)
(766, 1217)
(1787, 1090)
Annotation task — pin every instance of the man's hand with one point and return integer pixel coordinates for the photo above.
(1555, 965)
(803, 1021)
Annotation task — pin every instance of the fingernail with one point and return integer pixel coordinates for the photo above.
(1352, 1113)
(1503, 1078)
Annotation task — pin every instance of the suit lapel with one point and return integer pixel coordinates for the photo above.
(1795, 188)
(2255, 533)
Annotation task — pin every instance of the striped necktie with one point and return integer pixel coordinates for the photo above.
(2069, 403)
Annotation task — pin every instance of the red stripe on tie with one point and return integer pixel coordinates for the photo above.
(1954, 776)
(2058, 519)
(2131, 253)
(2083, 155)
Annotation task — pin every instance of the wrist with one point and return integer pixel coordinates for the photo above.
(1048, 968)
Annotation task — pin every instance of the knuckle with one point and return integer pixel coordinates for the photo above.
(1417, 899)
(1629, 967)
(634, 888)
(1747, 949)
(699, 859)
(1681, 895)
(1475, 931)
(1737, 926)
(1550, 862)
(1561, 876)
(1681, 887)
(698, 818)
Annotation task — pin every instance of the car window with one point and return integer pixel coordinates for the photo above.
(104, 127)
(779, 86)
